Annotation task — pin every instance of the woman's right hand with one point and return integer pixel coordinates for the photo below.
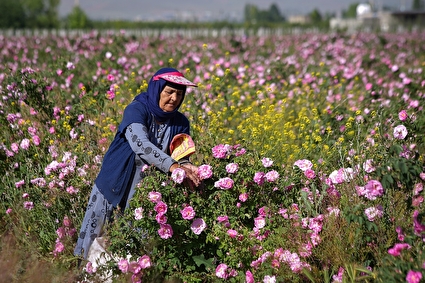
(191, 173)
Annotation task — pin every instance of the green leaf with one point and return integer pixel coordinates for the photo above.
(387, 181)
(308, 274)
(200, 259)
(395, 149)
(403, 167)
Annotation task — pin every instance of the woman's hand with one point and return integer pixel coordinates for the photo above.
(191, 173)
(190, 170)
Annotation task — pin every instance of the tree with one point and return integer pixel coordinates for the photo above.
(15, 15)
(41, 13)
(351, 12)
(274, 14)
(417, 5)
(78, 19)
(251, 13)
(315, 16)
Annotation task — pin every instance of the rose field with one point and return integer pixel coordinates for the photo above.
(311, 148)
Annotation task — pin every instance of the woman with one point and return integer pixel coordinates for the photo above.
(149, 124)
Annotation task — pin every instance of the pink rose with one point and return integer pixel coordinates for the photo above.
(243, 197)
(205, 172)
(221, 151)
(138, 213)
(303, 164)
(224, 183)
(165, 231)
(232, 168)
(154, 196)
(25, 144)
(161, 207)
(221, 219)
(272, 176)
(161, 218)
(400, 132)
(310, 174)
(396, 250)
(259, 222)
(28, 205)
(402, 115)
(188, 213)
(144, 262)
(232, 233)
(413, 276)
(220, 271)
(178, 175)
(259, 178)
(267, 162)
(198, 225)
(249, 277)
(123, 265)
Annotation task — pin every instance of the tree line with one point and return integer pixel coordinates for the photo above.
(31, 14)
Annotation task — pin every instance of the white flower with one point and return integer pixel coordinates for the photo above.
(138, 213)
(400, 132)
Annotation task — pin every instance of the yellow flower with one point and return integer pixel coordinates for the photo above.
(350, 134)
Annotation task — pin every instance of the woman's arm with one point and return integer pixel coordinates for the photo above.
(138, 139)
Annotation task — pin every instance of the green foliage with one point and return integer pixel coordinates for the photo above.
(15, 17)
(41, 13)
(418, 5)
(253, 15)
(30, 14)
(351, 11)
(316, 16)
(78, 19)
(187, 255)
(395, 267)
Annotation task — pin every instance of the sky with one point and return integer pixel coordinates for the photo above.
(204, 10)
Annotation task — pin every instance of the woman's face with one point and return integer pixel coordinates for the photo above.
(170, 98)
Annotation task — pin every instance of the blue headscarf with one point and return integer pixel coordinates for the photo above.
(151, 97)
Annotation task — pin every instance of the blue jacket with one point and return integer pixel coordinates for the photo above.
(116, 173)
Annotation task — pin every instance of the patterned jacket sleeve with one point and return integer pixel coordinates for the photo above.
(138, 138)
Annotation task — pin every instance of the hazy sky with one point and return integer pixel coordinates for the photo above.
(208, 9)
